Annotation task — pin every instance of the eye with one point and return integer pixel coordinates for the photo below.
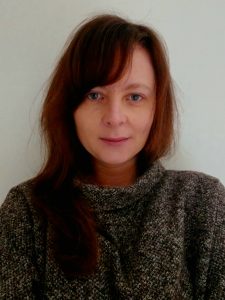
(94, 96)
(135, 97)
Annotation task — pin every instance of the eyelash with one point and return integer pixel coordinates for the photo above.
(100, 96)
(94, 93)
(140, 97)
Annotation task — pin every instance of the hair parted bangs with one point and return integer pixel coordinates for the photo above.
(100, 54)
(97, 55)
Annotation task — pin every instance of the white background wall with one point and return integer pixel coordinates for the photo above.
(32, 34)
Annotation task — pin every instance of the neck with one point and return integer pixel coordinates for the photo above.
(119, 175)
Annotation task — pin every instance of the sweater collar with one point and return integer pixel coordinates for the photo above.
(104, 198)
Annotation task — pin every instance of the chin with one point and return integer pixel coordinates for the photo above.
(115, 161)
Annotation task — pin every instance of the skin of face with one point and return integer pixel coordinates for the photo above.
(113, 121)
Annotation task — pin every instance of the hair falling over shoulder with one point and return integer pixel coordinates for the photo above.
(97, 55)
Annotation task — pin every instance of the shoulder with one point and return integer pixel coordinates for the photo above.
(18, 196)
(22, 240)
(18, 208)
(23, 228)
(187, 176)
(202, 196)
(201, 201)
(193, 182)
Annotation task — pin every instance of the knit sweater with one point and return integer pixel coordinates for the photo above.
(163, 238)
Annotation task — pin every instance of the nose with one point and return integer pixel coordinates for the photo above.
(114, 114)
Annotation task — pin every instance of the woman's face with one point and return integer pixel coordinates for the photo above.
(113, 122)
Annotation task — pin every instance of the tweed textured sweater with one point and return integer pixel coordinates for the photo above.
(163, 238)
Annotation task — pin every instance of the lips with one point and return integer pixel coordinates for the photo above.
(119, 139)
(114, 141)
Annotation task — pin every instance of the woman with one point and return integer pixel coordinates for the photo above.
(103, 219)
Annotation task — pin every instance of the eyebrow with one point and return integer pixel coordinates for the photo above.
(135, 86)
(139, 85)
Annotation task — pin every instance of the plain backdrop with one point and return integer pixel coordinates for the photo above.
(32, 35)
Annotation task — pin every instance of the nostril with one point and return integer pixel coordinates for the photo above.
(114, 121)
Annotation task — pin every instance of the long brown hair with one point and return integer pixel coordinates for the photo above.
(97, 55)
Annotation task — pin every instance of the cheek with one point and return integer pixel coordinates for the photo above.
(85, 125)
(85, 117)
(81, 116)
(77, 121)
(146, 117)
(80, 123)
(145, 123)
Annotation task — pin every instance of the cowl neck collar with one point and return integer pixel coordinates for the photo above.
(104, 198)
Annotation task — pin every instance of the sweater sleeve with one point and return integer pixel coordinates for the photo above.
(216, 273)
(18, 270)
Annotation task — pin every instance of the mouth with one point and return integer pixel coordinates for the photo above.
(114, 141)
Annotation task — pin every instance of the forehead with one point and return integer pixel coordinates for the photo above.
(138, 71)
